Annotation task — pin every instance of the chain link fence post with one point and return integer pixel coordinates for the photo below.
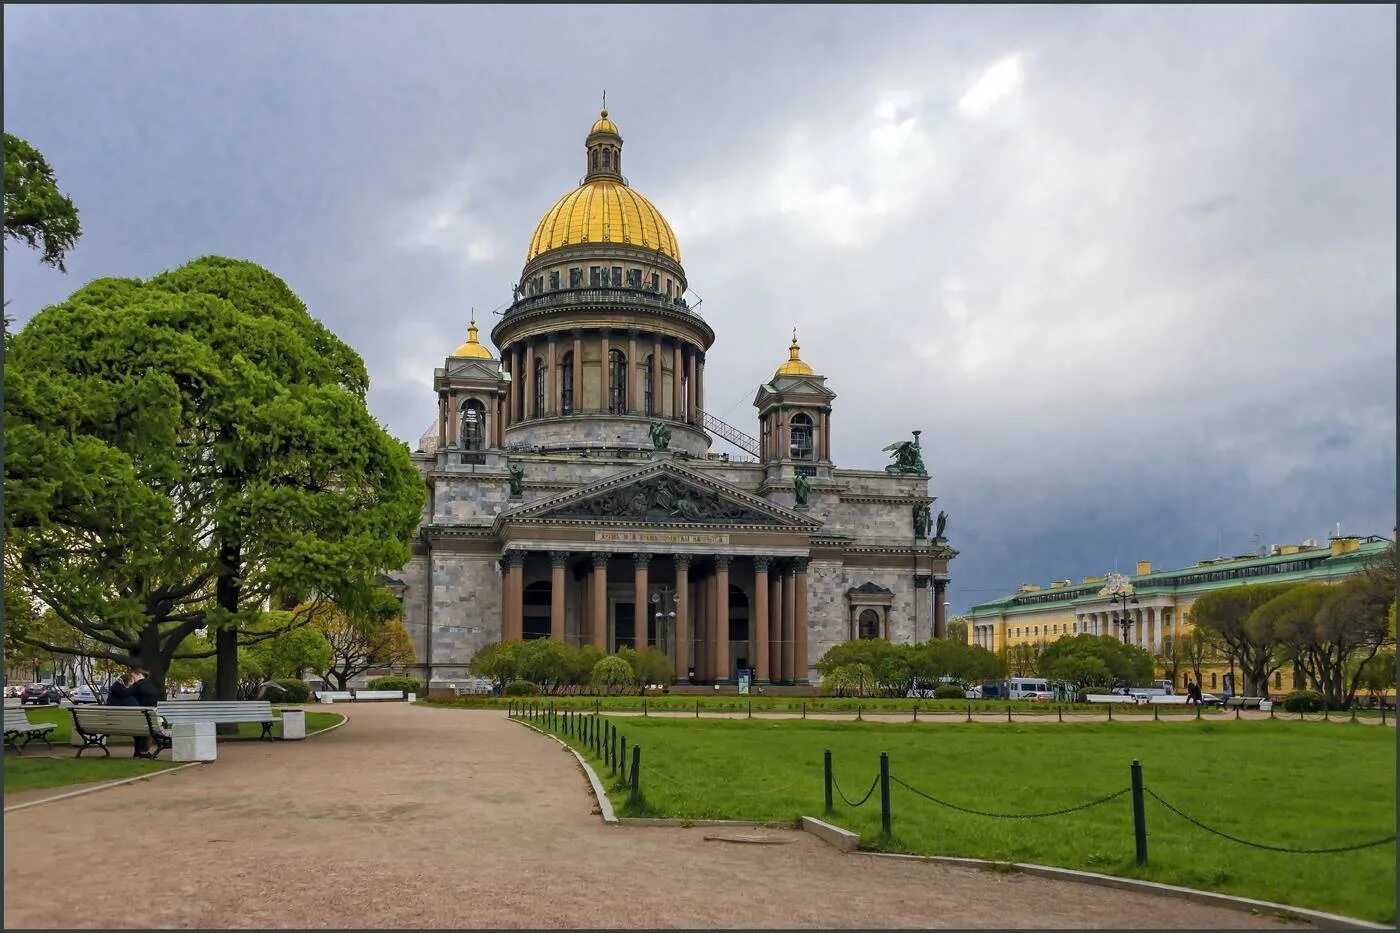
(1139, 814)
(885, 793)
(826, 777)
(636, 773)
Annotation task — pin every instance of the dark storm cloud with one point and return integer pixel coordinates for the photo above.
(1132, 271)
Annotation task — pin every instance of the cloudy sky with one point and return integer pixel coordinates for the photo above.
(1132, 271)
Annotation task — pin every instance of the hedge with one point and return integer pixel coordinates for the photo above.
(406, 684)
(1303, 701)
(521, 688)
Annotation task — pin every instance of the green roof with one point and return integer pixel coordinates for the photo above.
(1306, 564)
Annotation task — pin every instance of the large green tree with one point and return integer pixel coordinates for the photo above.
(1225, 615)
(185, 449)
(36, 212)
(1096, 661)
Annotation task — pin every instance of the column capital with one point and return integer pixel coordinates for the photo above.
(559, 558)
(921, 581)
(514, 558)
(939, 585)
(682, 561)
(761, 563)
(601, 558)
(722, 562)
(799, 564)
(641, 558)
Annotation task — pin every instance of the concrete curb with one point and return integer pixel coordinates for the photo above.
(604, 804)
(1210, 898)
(843, 840)
(687, 824)
(107, 786)
(343, 720)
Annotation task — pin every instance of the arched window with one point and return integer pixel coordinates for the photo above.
(801, 437)
(869, 624)
(473, 425)
(647, 386)
(595, 160)
(539, 386)
(566, 384)
(1212, 680)
(617, 382)
(607, 158)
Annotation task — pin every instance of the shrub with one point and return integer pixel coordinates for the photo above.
(948, 692)
(1303, 701)
(287, 691)
(521, 688)
(611, 673)
(406, 684)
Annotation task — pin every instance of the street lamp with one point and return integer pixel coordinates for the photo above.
(663, 604)
(1119, 590)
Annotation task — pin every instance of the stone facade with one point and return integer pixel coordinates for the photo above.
(558, 507)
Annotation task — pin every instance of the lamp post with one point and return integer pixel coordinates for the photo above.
(664, 601)
(1120, 591)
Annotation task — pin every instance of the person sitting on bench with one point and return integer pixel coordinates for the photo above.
(142, 692)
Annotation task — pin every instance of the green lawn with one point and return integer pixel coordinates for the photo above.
(35, 772)
(35, 769)
(1283, 783)
(732, 704)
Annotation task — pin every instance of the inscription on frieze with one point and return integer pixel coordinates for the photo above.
(659, 537)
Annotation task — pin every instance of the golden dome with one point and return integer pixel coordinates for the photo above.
(794, 366)
(472, 349)
(603, 210)
(604, 125)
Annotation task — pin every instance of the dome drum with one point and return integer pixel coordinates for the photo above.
(602, 432)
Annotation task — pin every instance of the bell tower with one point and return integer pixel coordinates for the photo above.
(794, 425)
(472, 395)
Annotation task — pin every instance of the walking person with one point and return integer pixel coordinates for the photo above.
(141, 692)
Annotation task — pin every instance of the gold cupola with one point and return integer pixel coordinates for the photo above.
(794, 365)
(472, 349)
(603, 208)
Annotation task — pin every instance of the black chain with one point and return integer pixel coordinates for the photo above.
(873, 781)
(1260, 845)
(1012, 816)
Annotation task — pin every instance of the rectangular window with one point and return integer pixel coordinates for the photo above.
(575, 277)
(634, 278)
(617, 276)
(655, 282)
(595, 276)
(668, 288)
(554, 281)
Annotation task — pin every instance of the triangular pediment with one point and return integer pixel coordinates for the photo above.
(793, 387)
(472, 368)
(662, 493)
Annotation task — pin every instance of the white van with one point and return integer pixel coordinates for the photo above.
(1029, 688)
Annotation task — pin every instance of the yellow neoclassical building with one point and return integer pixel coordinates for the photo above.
(1153, 608)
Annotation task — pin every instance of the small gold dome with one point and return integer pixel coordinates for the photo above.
(603, 210)
(604, 125)
(472, 349)
(794, 366)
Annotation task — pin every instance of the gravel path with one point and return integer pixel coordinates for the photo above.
(420, 817)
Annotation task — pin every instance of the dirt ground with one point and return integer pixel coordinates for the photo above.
(420, 817)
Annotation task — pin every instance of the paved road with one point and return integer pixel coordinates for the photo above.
(420, 817)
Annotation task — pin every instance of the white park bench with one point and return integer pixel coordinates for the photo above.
(18, 726)
(332, 696)
(378, 695)
(95, 723)
(220, 711)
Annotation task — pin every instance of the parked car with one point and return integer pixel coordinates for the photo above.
(86, 694)
(40, 694)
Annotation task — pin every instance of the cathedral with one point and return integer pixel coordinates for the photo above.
(573, 493)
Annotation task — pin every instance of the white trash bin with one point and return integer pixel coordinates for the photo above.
(293, 724)
(193, 741)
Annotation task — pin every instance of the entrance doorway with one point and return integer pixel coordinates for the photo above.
(624, 625)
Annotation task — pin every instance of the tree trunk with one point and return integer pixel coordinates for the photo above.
(226, 595)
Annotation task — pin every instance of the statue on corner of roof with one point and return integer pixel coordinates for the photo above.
(517, 480)
(942, 524)
(660, 436)
(802, 486)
